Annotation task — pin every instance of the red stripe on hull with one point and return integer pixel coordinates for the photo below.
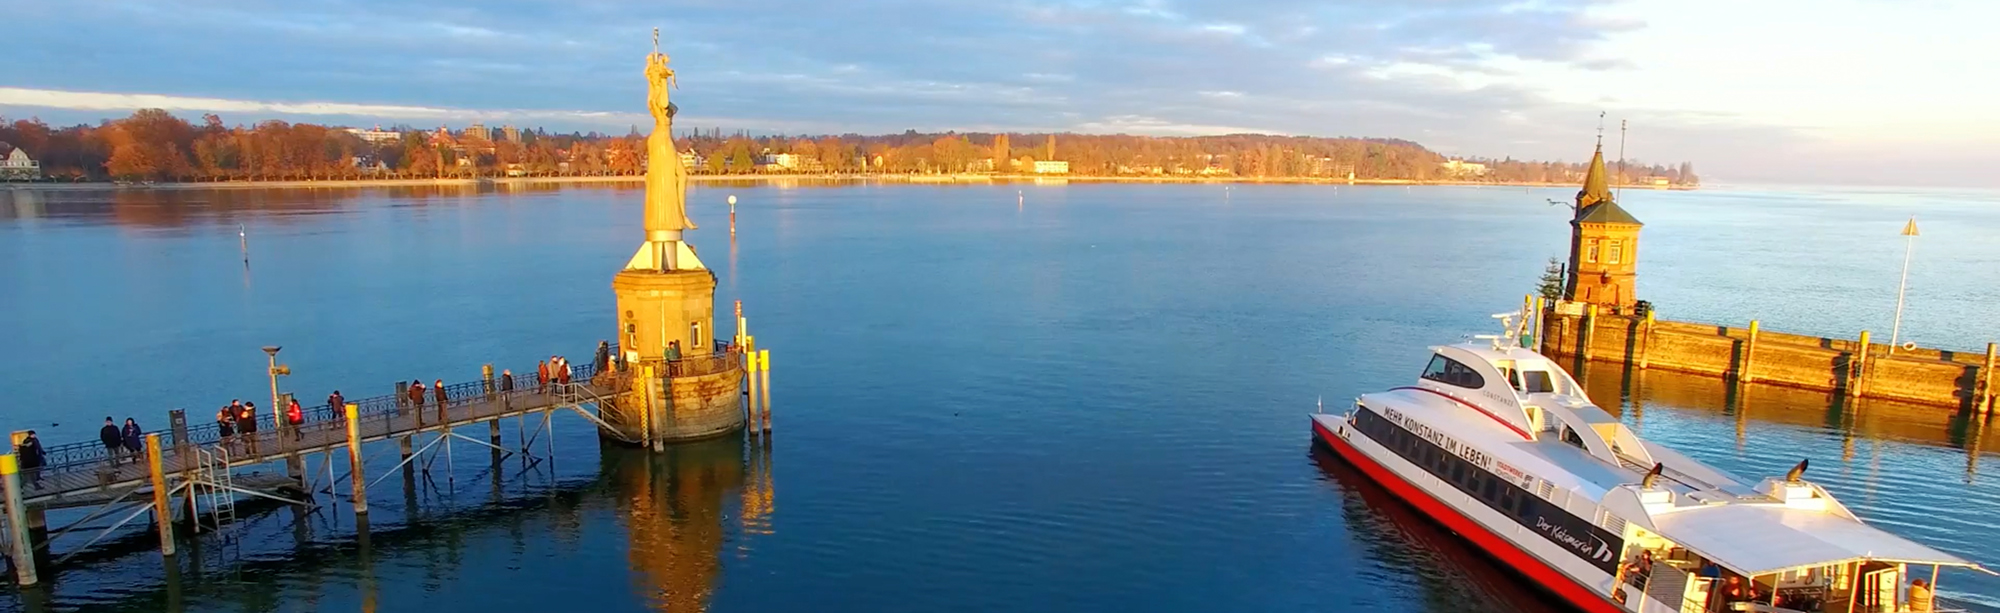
(1521, 561)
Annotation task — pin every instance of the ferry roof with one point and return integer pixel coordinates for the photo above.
(1756, 539)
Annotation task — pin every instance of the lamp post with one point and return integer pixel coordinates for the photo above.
(1903, 287)
(732, 215)
(277, 412)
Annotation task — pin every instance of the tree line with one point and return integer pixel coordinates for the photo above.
(154, 145)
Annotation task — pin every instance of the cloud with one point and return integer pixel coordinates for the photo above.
(1521, 78)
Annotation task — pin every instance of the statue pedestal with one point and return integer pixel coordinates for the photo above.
(697, 396)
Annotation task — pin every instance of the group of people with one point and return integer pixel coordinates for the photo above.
(240, 418)
(554, 370)
(121, 443)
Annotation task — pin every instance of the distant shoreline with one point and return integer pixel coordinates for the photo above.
(921, 179)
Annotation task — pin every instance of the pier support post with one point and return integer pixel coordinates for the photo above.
(1857, 367)
(163, 512)
(750, 411)
(764, 386)
(355, 476)
(1585, 336)
(486, 377)
(1749, 349)
(1985, 400)
(1541, 322)
(17, 521)
(1646, 350)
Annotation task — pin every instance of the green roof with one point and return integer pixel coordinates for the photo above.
(1607, 212)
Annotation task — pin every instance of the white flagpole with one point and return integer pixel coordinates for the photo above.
(1903, 287)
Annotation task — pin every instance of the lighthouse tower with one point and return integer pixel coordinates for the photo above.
(1603, 244)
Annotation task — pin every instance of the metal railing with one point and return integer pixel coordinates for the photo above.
(202, 429)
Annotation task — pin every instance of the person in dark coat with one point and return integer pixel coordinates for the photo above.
(135, 440)
(338, 403)
(32, 457)
(246, 425)
(225, 423)
(437, 392)
(603, 362)
(417, 395)
(506, 380)
(113, 441)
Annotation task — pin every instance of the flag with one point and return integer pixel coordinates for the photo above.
(1910, 229)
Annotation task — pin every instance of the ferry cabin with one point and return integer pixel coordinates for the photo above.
(1503, 447)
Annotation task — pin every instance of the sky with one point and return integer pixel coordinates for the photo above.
(1890, 92)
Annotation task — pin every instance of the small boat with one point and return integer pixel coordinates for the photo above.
(1499, 444)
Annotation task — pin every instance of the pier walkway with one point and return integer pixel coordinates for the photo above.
(80, 474)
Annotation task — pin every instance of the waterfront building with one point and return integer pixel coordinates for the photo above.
(377, 135)
(511, 133)
(1460, 168)
(17, 166)
(1603, 245)
(1051, 167)
(479, 131)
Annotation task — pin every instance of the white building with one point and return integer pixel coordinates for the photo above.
(781, 161)
(1462, 168)
(377, 135)
(17, 166)
(691, 160)
(1051, 167)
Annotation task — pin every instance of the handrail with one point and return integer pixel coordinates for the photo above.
(68, 457)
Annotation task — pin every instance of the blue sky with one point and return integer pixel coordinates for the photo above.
(1806, 91)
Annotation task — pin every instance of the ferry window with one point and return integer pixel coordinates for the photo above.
(1590, 251)
(1449, 372)
(1616, 252)
(1570, 436)
(1508, 373)
(1537, 381)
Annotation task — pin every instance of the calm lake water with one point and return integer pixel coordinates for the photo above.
(1092, 401)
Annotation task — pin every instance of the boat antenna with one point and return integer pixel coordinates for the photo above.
(1797, 472)
(1651, 476)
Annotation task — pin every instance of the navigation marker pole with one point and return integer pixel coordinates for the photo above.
(243, 241)
(1910, 245)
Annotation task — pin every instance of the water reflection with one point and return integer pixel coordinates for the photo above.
(675, 505)
(1422, 557)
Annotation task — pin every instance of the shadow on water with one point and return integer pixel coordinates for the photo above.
(1449, 574)
(678, 508)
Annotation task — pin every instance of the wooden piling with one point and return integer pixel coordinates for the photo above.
(645, 408)
(355, 478)
(1986, 386)
(17, 521)
(1541, 322)
(764, 387)
(1646, 348)
(1857, 367)
(1583, 340)
(486, 377)
(752, 416)
(163, 512)
(1749, 349)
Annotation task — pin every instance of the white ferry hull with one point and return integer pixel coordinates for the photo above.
(1502, 548)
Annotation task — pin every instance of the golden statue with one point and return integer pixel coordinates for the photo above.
(666, 179)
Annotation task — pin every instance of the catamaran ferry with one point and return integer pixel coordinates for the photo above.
(1500, 445)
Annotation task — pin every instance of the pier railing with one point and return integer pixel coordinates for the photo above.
(203, 429)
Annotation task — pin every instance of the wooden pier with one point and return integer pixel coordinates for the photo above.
(193, 467)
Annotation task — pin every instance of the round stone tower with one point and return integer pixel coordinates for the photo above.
(682, 384)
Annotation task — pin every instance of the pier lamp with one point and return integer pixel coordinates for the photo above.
(277, 412)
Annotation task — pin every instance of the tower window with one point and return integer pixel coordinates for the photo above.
(1617, 252)
(694, 337)
(1590, 251)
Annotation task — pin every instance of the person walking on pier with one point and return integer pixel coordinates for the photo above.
(542, 377)
(134, 438)
(506, 380)
(225, 424)
(113, 442)
(338, 403)
(603, 362)
(32, 457)
(296, 416)
(437, 391)
(563, 372)
(246, 425)
(417, 395)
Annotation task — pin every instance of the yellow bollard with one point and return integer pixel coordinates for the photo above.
(1857, 367)
(163, 512)
(764, 366)
(751, 417)
(17, 521)
(360, 483)
(1749, 349)
(1986, 390)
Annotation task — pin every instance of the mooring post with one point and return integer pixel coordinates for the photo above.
(1646, 350)
(17, 521)
(355, 478)
(645, 408)
(402, 395)
(1986, 387)
(1857, 367)
(1749, 349)
(1541, 322)
(1588, 333)
(486, 377)
(764, 387)
(750, 410)
(163, 512)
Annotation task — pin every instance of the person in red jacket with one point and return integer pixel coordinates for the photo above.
(417, 395)
(296, 416)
